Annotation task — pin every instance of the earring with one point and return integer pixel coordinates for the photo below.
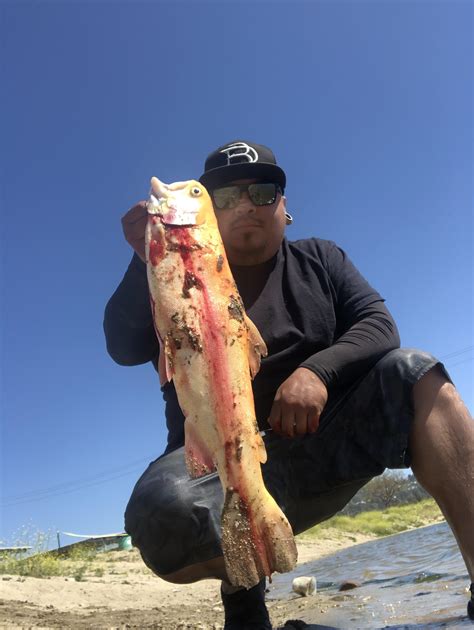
(289, 218)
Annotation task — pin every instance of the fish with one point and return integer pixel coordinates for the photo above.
(211, 350)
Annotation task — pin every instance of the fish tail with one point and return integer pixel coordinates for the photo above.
(257, 538)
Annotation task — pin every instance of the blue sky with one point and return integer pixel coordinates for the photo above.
(368, 107)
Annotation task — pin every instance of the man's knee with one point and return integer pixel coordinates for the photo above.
(178, 577)
(435, 392)
(174, 521)
(407, 363)
(164, 507)
(213, 568)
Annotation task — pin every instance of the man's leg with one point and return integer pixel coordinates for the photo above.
(442, 450)
(209, 569)
(175, 522)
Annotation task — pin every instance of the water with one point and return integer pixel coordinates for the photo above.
(416, 579)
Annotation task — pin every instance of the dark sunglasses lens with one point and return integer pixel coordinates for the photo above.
(262, 194)
(227, 197)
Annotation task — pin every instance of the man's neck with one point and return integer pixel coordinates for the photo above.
(252, 258)
(251, 279)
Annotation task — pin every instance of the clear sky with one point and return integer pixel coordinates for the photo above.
(368, 108)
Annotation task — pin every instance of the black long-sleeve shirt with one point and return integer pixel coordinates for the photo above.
(310, 304)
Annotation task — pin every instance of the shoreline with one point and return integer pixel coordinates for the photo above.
(129, 594)
(119, 591)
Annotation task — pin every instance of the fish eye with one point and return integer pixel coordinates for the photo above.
(195, 191)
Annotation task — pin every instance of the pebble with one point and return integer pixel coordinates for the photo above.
(348, 585)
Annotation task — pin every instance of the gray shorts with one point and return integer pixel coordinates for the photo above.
(175, 520)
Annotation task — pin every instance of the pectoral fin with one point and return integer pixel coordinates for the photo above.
(262, 451)
(161, 361)
(257, 348)
(165, 360)
(199, 461)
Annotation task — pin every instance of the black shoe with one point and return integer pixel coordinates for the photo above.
(470, 604)
(246, 610)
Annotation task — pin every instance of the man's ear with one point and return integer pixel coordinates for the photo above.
(288, 217)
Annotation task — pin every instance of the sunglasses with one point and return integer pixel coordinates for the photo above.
(261, 194)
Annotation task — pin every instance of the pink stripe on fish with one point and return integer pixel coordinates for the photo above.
(223, 395)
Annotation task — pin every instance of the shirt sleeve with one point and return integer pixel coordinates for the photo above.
(128, 324)
(365, 329)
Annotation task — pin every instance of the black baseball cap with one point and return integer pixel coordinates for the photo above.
(241, 159)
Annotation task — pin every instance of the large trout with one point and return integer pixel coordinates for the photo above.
(211, 350)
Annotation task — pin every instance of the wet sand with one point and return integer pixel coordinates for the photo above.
(118, 591)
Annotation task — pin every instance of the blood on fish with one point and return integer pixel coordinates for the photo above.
(157, 251)
(185, 244)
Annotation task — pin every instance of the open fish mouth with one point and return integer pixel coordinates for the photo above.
(172, 203)
(171, 212)
(159, 206)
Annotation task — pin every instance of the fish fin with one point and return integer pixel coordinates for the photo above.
(257, 347)
(161, 361)
(199, 461)
(262, 451)
(162, 367)
(257, 539)
(165, 370)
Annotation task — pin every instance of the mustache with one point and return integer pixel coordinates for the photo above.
(245, 222)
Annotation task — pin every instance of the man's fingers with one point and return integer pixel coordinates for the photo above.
(288, 424)
(274, 419)
(134, 226)
(301, 422)
(313, 421)
(136, 213)
(135, 231)
(291, 420)
(138, 244)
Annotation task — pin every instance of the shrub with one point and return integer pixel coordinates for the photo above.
(382, 522)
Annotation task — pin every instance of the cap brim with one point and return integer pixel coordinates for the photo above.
(225, 174)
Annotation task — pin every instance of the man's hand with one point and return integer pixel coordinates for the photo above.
(298, 404)
(133, 225)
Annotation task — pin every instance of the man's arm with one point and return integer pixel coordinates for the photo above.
(358, 349)
(365, 333)
(366, 330)
(128, 323)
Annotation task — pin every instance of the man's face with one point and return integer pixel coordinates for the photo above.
(252, 234)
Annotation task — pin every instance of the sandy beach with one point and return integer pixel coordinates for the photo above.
(118, 591)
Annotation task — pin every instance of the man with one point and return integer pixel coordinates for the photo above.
(342, 400)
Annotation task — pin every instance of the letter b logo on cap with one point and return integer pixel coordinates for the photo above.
(240, 152)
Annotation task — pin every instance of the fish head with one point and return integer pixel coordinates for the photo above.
(180, 203)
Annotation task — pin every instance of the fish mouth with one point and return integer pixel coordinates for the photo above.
(168, 213)
(171, 204)
(159, 206)
(159, 203)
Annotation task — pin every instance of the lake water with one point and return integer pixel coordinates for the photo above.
(416, 579)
